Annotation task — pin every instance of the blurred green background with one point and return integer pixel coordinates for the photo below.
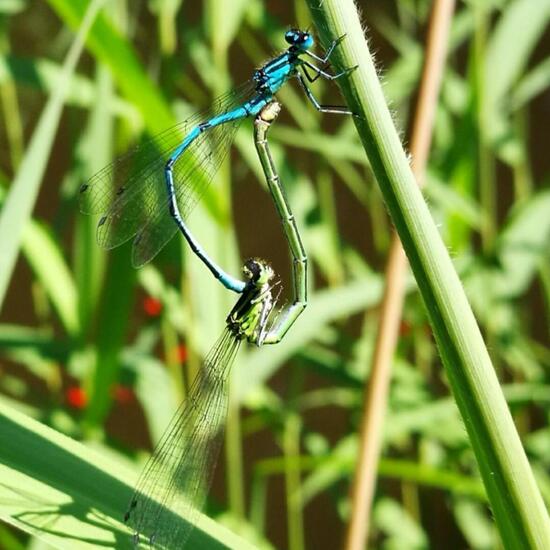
(104, 353)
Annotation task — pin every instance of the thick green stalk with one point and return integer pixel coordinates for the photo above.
(514, 497)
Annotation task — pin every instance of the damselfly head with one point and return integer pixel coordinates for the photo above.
(302, 40)
(258, 271)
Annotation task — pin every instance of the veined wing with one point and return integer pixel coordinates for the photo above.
(205, 155)
(177, 477)
(131, 191)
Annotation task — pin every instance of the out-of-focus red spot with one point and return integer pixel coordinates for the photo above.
(76, 397)
(123, 394)
(181, 353)
(152, 306)
(404, 328)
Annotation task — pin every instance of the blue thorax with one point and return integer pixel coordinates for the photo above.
(276, 72)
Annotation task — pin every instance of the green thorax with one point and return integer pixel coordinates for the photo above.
(249, 317)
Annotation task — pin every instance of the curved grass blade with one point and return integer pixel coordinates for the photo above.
(70, 495)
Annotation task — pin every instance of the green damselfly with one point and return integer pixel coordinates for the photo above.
(176, 479)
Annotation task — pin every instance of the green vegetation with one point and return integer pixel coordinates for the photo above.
(103, 353)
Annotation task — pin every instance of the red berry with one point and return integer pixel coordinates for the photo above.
(76, 397)
(152, 306)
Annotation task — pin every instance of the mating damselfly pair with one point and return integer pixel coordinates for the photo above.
(147, 194)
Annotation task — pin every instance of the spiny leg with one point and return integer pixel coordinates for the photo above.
(227, 280)
(328, 53)
(324, 74)
(311, 79)
(335, 109)
(299, 258)
(323, 61)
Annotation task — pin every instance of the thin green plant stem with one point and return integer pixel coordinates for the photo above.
(291, 445)
(191, 326)
(523, 181)
(544, 274)
(258, 500)
(10, 104)
(173, 363)
(515, 500)
(485, 158)
(12, 117)
(411, 500)
(421, 475)
(234, 460)
(376, 394)
(327, 206)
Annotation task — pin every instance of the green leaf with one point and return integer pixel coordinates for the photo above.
(453, 203)
(22, 195)
(46, 260)
(516, 34)
(532, 84)
(522, 245)
(46, 75)
(113, 50)
(476, 526)
(12, 7)
(20, 336)
(92, 152)
(166, 11)
(223, 22)
(399, 526)
(115, 314)
(325, 145)
(71, 496)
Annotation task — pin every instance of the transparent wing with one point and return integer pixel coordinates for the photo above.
(177, 477)
(205, 153)
(131, 192)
